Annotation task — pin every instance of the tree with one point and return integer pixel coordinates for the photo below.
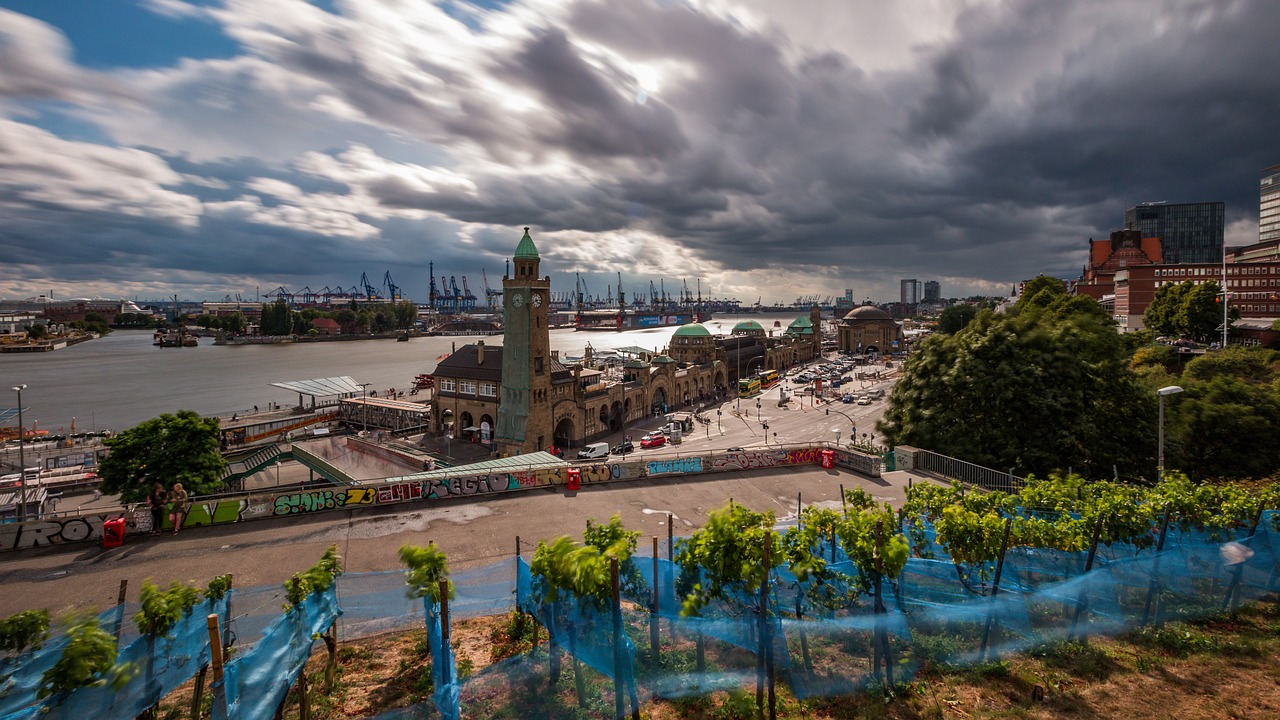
(1225, 427)
(406, 314)
(1161, 315)
(955, 318)
(37, 332)
(168, 449)
(1034, 390)
(1200, 315)
(1041, 292)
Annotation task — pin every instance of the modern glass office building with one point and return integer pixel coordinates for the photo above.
(1269, 205)
(1188, 232)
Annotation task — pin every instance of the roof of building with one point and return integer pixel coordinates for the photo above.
(748, 325)
(801, 326)
(512, 463)
(464, 364)
(526, 250)
(867, 312)
(663, 360)
(692, 330)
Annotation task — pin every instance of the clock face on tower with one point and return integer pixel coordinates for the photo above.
(517, 300)
(537, 300)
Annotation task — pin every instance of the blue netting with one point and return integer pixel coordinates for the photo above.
(257, 680)
(829, 634)
(157, 667)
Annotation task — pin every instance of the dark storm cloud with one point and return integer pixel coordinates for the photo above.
(953, 101)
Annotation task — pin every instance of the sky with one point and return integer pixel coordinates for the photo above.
(749, 148)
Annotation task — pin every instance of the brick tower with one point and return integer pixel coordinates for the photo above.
(524, 413)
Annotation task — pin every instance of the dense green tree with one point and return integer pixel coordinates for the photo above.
(234, 322)
(1252, 365)
(1038, 389)
(954, 318)
(36, 331)
(345, 318)
(1200, 315)
(1161, 316)
(1225, 427)
(1042, 292)
(406, 314)
(168, 449)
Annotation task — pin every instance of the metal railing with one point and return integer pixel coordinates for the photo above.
(968, 473)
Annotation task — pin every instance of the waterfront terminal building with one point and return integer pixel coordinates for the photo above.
(520, 398)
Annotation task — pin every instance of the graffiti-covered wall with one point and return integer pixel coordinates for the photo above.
(82, 528)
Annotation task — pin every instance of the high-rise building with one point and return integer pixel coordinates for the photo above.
(1269, 205)
(932, 291)
(1188, 232)
(910, 292)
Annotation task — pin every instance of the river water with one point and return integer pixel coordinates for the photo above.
(118, 381)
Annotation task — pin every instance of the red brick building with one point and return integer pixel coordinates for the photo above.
(1124, 249)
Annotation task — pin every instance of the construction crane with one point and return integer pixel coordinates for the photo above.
(622, 298)
(468, 298)
(308, 297)
(370, 292)
(280, 293)
(393, 290)
(492, 297)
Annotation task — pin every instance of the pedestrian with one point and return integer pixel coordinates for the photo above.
(180, 505)
(156, 500)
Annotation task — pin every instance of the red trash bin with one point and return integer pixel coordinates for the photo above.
(113, 533)
(575, 479)
(828, 459)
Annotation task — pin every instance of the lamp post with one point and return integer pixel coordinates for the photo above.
(757, 411)
(718, 414)
(277, 473)
(837, 433)
(22, 460)
(1162, 392)
(364, 401)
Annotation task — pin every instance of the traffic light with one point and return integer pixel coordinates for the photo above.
(828, 411)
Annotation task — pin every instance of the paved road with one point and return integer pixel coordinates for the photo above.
(471, 533)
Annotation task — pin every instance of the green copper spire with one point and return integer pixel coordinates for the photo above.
(525, 250)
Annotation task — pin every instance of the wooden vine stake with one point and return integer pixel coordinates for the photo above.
(215, 654)
(1153, 587)
(995, 590)
(619, 704)
(124, 588)
(1082, 603)
(881, 641)
(653, 610)
(760, 613)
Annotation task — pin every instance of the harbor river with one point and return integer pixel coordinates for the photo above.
(118, 381)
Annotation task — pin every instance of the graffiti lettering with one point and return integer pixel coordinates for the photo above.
(803, 457)
(55, 532)
(318, 500)
(681, 465)
(750, 459)
(475, 485)
(399, 493)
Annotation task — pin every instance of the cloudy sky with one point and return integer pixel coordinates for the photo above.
(766, 149)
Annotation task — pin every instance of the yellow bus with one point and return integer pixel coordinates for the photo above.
(768, 379)
(749, 386)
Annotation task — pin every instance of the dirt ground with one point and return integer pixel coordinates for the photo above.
(1226, 667)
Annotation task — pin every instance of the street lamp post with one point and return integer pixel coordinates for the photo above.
(1162, 392)
(718, 414)
(22, 460)
(364, 393)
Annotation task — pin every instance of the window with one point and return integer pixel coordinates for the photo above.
(448, 385)
(537, 367)
(467, 387)
(489, 389)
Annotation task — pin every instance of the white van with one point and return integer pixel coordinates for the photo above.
(594, 451)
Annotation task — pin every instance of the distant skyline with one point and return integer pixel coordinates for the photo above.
(771, 150)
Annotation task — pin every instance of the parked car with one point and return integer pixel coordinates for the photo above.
(653, 441)
(594, 451)
(624, 447)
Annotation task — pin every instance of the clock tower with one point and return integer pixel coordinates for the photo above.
(524, 413)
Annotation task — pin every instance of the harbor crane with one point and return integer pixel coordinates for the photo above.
(393, 290)
(370, 292)
(468, 298)
(280, 293)
(492, 297)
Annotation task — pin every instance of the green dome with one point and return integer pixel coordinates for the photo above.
(525, 250)
(663, 360)
(748, 326)
(635, 365)
(692, 330)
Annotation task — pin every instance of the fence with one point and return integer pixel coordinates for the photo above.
(967, 472)
(846, 632)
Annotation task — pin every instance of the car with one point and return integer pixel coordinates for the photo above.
(735, 449)
(837, 383)
(847, 398)
(864, 400)
(623, 448)
(653, 441)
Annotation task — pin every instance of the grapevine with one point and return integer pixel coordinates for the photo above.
(428, 566)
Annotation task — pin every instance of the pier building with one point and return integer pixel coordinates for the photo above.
(520, 398)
